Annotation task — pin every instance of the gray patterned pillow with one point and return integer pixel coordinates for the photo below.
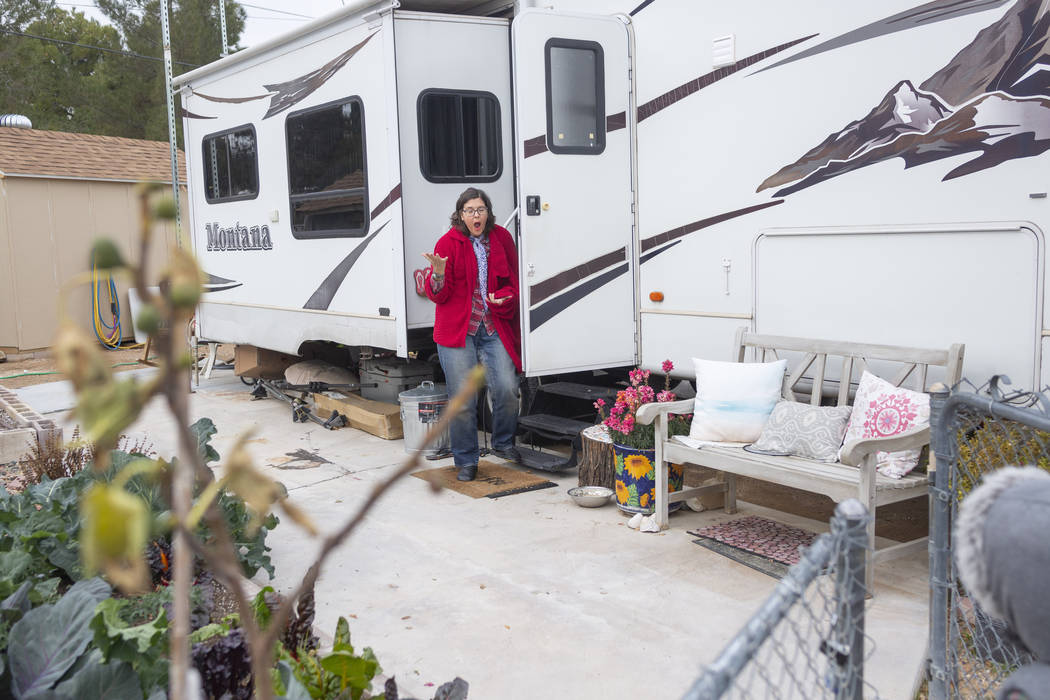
(801, 430)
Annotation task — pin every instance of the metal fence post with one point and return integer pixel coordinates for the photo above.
(849, 526)
(943, 458)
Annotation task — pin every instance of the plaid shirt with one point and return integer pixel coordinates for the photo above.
(478, 313)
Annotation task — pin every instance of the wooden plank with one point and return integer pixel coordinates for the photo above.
(791, 380)
(830, 478)
(901, 549)
(844, 380)
(894, 353)
(739, 343)
(905, 372)
(818, 381)
(375, 417)
(954, 364)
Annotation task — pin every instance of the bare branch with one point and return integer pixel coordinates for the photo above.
(330, 542)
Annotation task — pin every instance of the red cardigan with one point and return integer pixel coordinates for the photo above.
(452, 316)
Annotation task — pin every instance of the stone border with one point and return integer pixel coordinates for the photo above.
(30, 426)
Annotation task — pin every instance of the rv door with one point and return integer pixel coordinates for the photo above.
(572, 98)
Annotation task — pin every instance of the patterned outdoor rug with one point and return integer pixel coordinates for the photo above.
(762, 544)
(492, 481)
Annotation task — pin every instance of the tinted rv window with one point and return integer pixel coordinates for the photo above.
(459, 136)
(575, 96)
(326, 170)
(231, 167)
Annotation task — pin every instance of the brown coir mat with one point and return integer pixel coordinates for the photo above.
(492, 481)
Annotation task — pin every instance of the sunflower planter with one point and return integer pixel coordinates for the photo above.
(636, 480)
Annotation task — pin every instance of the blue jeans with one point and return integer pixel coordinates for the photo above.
(501, 377)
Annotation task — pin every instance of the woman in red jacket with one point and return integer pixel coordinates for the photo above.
(473, 279)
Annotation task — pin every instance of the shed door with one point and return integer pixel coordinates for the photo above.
(572, 96)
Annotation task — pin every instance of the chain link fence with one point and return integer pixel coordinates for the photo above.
(974, 431)
(807, 640)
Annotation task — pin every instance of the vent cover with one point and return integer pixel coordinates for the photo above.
(17, 121)
(723, 51)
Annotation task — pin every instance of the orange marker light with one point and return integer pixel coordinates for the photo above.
(656, 296)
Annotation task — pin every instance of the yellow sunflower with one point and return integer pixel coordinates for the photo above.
(637, 466)
(644, 500)
(622, 494)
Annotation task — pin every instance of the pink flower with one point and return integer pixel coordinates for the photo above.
(638, 377)
(665, 396)
(667, 366)
(599, 404)
(646, 394)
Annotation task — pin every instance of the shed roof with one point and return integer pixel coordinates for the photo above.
(37, 153)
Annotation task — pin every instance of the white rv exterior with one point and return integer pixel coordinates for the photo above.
(861, 172)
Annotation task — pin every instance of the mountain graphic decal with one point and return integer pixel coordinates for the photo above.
(991, 100)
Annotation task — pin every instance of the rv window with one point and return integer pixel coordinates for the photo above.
(575, 96)
(459, 136)
(326, 170)
(231, 167)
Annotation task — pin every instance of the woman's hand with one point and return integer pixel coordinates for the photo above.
(437, 262)
(494, 300)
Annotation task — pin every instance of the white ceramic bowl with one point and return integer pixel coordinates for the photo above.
(590, 496)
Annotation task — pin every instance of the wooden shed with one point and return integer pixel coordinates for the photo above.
(59, 192)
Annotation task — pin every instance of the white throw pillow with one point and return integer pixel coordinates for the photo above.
(883, 410)
(734, 399)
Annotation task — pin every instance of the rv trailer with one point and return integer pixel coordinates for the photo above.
(672, 170)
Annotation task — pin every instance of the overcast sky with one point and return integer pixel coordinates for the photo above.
(266, 18)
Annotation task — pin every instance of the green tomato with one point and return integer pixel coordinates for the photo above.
(148, 319)
(106, 255)
(164, 209)
(184, 295)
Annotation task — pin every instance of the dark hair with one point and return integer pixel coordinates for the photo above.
(468, 194)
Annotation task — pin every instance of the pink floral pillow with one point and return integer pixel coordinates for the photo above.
(883, 410)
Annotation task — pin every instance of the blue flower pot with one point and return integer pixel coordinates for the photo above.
(636, 480)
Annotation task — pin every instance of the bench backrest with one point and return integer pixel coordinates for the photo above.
(908, 363)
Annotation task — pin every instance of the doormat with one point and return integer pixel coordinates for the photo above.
(492, 481)
(762, 544)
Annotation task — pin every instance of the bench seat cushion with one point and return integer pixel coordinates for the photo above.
(833, 479)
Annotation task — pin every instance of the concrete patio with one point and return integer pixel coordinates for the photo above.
(524, 596)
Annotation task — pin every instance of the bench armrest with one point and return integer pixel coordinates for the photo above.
(647, 412)
(854, 451)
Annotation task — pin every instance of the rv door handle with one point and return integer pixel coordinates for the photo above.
(532, 205)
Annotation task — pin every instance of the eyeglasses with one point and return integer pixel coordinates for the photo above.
(480, 211)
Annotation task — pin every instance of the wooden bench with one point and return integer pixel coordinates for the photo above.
(855, 475)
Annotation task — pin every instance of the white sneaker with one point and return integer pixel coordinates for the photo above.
(635, 522)
(649, 524)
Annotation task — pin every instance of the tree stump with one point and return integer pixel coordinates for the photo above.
(597, 466)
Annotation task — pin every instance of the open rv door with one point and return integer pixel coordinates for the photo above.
(572, 98)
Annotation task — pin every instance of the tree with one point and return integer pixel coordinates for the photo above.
(18, 14)
(89, 90)
(195, 40)
(62, 86)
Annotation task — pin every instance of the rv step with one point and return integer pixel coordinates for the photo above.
(553, 427)
(579, 391)
(545, 461)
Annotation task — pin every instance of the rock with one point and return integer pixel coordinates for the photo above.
(453, 690)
